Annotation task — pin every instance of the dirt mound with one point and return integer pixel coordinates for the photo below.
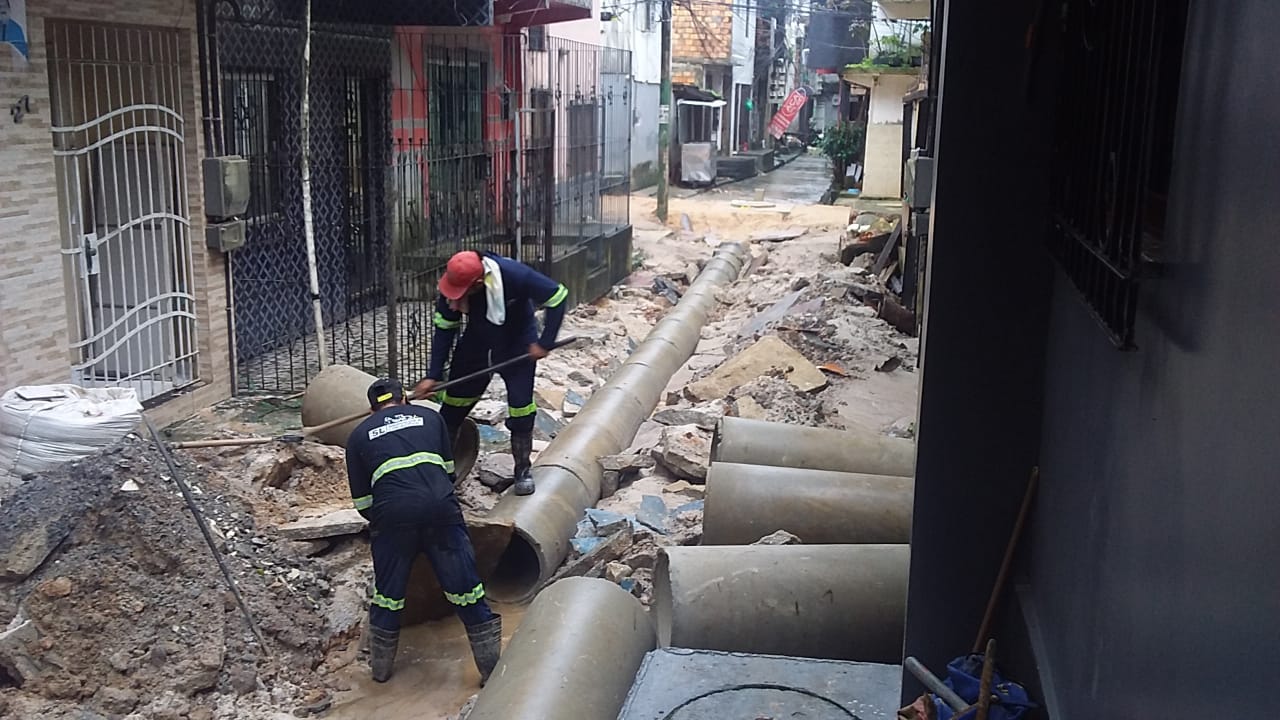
(131, 607)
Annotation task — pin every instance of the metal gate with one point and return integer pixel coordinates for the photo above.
(118, 137)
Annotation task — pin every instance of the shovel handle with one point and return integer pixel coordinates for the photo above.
(442, 386)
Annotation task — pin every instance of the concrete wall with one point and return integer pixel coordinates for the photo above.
(34, 325)
(627, 31)
(883, 166)
(1161, 515)
(1149, 565)
(644, 135)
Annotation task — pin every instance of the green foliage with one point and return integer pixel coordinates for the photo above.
(843, 144)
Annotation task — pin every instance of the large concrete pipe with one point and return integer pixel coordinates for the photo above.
(746, 502)
(756, 442)
(341, 390)
(842, 602)
(568, 473)
(574, 656)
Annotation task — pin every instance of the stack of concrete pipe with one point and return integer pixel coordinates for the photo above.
(839, 595)
(568, 473)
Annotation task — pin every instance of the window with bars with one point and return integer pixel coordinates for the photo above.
(1118, 100)
(251, 128)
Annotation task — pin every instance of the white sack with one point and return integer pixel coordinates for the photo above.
(42, 426)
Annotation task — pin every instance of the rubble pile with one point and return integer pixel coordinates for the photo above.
(124, 609)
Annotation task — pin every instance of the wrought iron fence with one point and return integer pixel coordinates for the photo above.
(424, 142)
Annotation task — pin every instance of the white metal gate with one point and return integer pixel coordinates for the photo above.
(118, 136)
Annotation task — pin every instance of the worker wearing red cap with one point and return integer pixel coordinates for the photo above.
(499, 297)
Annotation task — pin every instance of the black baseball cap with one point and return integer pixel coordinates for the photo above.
(384, 390)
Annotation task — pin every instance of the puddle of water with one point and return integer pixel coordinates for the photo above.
(434, 674)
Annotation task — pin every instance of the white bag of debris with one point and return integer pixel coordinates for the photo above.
(42, 426)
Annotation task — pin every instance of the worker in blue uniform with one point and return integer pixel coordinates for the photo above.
(498, 296)
(400, 470)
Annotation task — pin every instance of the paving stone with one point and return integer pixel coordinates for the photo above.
(768, 354)
(335, 524)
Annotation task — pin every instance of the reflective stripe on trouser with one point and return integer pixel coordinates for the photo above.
(518, 379)
(448, 547)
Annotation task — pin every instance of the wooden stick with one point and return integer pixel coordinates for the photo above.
(989, 615)
(984, 689)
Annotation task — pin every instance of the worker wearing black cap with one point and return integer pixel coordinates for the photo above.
(400, 468)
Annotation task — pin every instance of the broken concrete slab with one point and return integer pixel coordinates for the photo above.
(685, 451)
(489, 412)
(627, 462)
(768, 354)
(593, 563)
(425, 599)
(653, 514)
(684, 486)
(687, 416)
(334, 524)
(776, 312)
(16, 656)
(549, 397)
(647, 437)
(495, 469)
(779, 537)
(748, 407)
(789, 233)
(606, 522)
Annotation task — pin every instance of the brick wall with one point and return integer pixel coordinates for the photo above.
(703, 35)
(34, 294)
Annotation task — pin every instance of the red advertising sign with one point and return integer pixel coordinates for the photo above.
(790, 108)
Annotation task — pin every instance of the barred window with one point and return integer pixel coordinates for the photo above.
(251, 129)
(1118, 93)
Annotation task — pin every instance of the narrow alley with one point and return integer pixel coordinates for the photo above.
(789, 341)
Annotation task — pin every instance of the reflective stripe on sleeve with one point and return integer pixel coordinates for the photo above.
(561, 293)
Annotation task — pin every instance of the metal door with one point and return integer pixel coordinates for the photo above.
(118, 136)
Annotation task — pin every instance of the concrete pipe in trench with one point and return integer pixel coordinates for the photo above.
(341, 390)
(568, 473)
(746, 502)
(840, 602)
(757, 442)
(574, 656)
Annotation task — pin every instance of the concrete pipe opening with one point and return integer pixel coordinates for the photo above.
(662, 601)
(519, 570)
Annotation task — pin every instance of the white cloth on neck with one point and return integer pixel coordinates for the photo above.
(496, 312)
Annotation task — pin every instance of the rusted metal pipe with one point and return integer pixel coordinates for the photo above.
(840, 602)
(746, 502)
(574, 656)
(568, 473)
(756, 442)
(341, 391)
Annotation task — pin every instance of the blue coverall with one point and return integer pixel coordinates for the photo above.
(400, 470)
(484, 344)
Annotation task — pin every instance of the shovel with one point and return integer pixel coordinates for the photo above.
(299, 437)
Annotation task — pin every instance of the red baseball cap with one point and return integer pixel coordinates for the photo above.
(463, 270)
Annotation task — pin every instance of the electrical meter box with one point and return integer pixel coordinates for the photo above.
(224, 236)
(226, 186)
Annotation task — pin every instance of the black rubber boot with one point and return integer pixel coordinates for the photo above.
(486, 646)
(382, 652)
(521, 449)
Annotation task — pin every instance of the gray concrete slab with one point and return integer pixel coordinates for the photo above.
(678, 684)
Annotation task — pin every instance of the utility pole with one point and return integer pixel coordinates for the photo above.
(664, 112)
